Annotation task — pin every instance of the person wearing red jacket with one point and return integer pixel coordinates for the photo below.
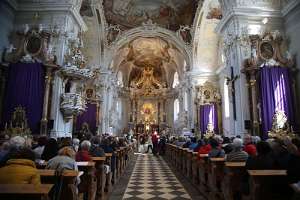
(83, 154)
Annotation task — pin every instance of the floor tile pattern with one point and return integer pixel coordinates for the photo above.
(153, 179)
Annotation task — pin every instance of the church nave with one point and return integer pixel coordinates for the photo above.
(152, 178)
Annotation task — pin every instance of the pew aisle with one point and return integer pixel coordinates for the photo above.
(153, 179)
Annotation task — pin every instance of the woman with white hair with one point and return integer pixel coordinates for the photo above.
(76, 143)
(84, 153)
(237, 155)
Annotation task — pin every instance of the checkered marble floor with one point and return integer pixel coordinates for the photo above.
(153, 179)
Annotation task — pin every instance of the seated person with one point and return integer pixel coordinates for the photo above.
(95, 149)
(248, 146)
(181, 141)
(83, 154)
(50, 150)
(205, 148)
(106, 146)
(216, 150)
(187, 143)
(264, 158)
(38, 150)
(64, 160)
(76, 143)
(20, 168)
(227, 145)
(280, 153)
(293, 172)
(199, 145)
(193, 144)
(237, 155)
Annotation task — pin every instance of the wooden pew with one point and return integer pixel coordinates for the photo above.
(88, 180)
(262, 184)
(184, 161)
(69, 188)
(109, 175)
(100, 175)
(215, 177)
(233, 175)
(117, 166)
(203, 174)
(195, 171)
(25, 191)
(189, 164)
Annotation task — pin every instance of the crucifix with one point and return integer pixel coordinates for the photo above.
(231, 81)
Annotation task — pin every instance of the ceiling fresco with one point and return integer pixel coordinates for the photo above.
(169, 14)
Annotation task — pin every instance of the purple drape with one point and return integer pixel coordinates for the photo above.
(89, 116)
(25, 87)
(208, 114)
(276, 94)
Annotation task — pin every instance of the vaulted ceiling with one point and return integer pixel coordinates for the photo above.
(153, 52)
(169, 14)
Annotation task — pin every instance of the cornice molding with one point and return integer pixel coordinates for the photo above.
(253, 13)
(50, 7)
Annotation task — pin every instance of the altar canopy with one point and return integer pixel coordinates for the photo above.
(276, 94)
(25, 88)
(89, 117)
(208, 114)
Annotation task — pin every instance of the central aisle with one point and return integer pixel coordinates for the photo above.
(153, 179)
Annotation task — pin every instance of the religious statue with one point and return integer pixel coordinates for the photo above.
(84, 132)
(209, 130)
(280, 126)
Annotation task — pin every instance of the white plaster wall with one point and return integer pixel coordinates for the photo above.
(292, 30)
(6, 24)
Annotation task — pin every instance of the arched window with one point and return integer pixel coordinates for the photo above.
(186, 101)
(176, 109)
(226, 99)
(120, 79)
(119, 108)
(175, 80)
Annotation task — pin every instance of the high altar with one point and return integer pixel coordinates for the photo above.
(148, 113)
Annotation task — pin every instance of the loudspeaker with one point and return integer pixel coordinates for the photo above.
(247, 124)
(50, 124)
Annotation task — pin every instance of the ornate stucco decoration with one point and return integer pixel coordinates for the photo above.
(266, 50)
(33, 44)
(72, 104)
(207, 93)
(113, 32)
(148, 85)
(184, 33)
(215, 13)
(75, 62)
(75, 76)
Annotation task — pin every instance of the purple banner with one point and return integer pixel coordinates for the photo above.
(89, 116)
(25, 87)
(276, 94)
(208, 114)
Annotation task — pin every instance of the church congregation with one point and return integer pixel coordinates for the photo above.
(149, 100)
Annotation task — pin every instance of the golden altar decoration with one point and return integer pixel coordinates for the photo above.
(147, 84)
(280, 126)
(18, 124)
